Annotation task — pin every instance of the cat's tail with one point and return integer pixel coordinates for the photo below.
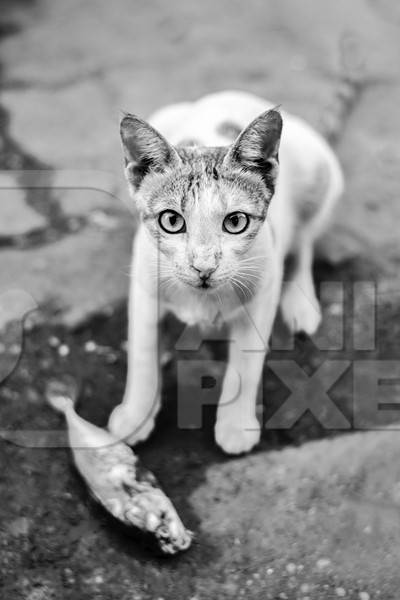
(62, 394)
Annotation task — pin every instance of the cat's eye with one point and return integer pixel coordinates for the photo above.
(172, 222)
(236, 222)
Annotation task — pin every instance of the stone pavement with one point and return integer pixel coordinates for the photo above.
(324, 522)
(63, 94)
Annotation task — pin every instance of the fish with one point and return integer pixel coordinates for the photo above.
(116, 477)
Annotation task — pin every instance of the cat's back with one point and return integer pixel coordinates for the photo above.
(217, 119)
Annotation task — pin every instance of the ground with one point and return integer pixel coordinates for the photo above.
(313, 513)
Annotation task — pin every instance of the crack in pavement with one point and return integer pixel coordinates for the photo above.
(41, 199)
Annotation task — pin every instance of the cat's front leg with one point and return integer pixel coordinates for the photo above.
(237, 428)
(133, 419)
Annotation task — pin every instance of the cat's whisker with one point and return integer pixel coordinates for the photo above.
(240, 285)
(252, 275)
(218, 297)
(256, 268)
(244, 273)
(253, 258)
(167, 283)
(159, 272)
(248, 288)
(249, 285)
(250, 266)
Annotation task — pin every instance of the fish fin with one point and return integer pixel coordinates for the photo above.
(62, 394)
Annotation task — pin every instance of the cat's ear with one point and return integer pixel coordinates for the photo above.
(145, 150)
(257, 147)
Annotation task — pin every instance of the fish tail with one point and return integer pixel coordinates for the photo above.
(61, 395)
(60, 403)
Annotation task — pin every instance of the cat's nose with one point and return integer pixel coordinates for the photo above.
(204, 272)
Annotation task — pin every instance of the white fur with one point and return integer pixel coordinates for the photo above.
(309, 172)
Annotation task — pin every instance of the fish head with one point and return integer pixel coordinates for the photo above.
(153, 512)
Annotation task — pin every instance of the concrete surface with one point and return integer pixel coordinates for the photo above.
(317, 520)
(63, 93)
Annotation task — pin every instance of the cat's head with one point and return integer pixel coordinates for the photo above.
(204, 206)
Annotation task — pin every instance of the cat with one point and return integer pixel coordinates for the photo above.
(226, 187)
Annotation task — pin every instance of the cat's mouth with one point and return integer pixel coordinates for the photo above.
(201, 285)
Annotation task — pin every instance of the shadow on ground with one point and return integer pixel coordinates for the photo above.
(53, 531)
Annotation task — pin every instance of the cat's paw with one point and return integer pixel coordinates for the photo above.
(129, 427)
(300, 310)
(237, 437)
